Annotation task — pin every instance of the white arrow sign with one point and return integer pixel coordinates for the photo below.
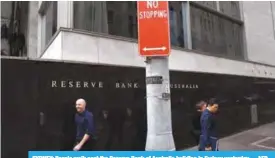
(156, 48)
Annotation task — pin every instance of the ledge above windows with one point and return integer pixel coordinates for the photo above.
(93, 48)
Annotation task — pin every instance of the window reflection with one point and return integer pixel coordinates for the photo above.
(176, 31)
(50, 17)
(214, 34)
(14, 24)
(120, 19)
(209, 4)
(91, 16)
(230, 8)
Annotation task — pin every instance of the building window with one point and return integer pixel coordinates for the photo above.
(209, 4)
(110, 17)
(14, 22)
(132, 26)
(120, 18)
(92, 16)
(230, 8)
(49, 21)
(217, 34)
(176, 24)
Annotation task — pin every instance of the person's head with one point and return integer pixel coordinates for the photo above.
(213, 105)
(80, 105)
(201, 106)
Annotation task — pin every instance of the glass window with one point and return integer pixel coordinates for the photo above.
(230, 8)
(120, 18)
(6, 12)
(115, 18)
(176, 29)
(14, 26)
(6, 9)
(209, 4)
(91, 16)
(215, 34)
(50, 21)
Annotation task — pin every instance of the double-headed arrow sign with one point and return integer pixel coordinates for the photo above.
(152, 49)
(153, 28)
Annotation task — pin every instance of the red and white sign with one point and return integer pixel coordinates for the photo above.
(153, 28)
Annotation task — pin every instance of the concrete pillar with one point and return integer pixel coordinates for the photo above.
(65, 14)
(186, 25)
(244, 47)
(39, 35)
(32, 33)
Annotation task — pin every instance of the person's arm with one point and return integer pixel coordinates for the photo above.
(89, 125)
(84, 140)
(206, 130)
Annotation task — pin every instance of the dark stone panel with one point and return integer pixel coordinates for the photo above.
(116, 96)
(19, 108)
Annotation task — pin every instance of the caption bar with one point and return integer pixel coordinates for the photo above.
(152, 154)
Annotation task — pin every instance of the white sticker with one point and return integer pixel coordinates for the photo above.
(167, 88)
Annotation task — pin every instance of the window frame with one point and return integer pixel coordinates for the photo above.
(217, 12)
(187, 34)
(42, 11)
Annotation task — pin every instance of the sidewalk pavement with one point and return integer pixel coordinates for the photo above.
(260, 138)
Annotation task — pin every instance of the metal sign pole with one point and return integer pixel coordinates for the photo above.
(154, 44)
(159, 123)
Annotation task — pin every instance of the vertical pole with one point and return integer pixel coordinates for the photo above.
(186, 24)
(159, 124)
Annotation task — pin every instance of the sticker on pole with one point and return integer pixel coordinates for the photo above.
(154, 80)
(153, 28)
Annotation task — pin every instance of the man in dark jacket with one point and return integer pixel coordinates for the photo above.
(84, 127)
(208, 138)
(196, 132)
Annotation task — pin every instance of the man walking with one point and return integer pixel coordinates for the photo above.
(196, 132)
(84, 127)
(208, 138)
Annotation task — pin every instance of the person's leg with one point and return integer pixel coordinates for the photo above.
(214, 144)
(217, 145)
(201, 146)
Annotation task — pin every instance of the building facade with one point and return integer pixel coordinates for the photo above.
(236, 38)
(68, 50)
